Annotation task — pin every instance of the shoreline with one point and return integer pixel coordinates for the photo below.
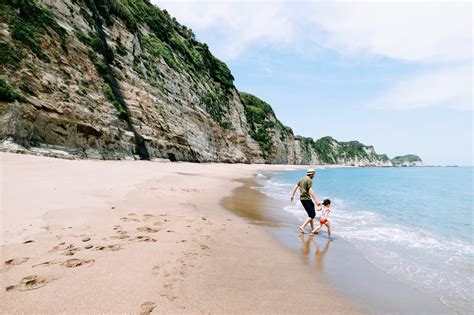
(157, 232)
(344, 266)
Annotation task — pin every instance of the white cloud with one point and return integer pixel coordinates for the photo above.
(416, 31)
(232, 27)
(411, 31)
(434, 34)
(446, 87)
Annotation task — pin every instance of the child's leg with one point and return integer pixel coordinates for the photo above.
(329, 228)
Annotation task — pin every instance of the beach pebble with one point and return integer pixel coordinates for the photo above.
(89, 246)
(86, 239)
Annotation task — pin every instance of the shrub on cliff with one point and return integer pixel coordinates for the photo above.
(8, 93)
(28, 20)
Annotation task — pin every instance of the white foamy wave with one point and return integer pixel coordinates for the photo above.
(371, 227)
(411, 254)
(428, 261)
(297, 210)
(274, 189)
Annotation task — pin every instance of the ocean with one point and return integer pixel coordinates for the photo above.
(415, 224)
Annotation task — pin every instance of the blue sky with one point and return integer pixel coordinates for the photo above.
(394, 75)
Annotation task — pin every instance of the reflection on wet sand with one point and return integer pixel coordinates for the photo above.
(251, 205)
(318, 253)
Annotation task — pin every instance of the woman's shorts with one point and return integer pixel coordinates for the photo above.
(309, 207)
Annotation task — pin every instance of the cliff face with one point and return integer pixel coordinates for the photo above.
(121, 79)
(277, 142)
(331, 151)
(117, 80)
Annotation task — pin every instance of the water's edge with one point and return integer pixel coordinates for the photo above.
(339, 261)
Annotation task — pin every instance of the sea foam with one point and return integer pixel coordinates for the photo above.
(438, 265)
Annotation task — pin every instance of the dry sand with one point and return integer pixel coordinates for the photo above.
(162, 243)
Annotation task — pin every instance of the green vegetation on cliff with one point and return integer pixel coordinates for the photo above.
(331, 151)
(136, 47)
(8, 93)
(169, 39)
(262, 121)
(30, 20)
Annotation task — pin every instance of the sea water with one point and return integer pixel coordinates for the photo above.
(415, 224)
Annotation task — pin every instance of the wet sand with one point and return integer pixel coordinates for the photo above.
(337, 262)
(159, 241)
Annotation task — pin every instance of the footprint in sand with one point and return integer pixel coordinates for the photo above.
(125, 219)
(28, 242)
(68, 250)
(147, 229)
(16, 261)
(76, 262)
(60, 246)
(30, 283)
(45, 264)
(147, 307)
(156, 270)
(112, 248)
(143, 238)
(148, 216)
(121, 236)
(190, 190)
(71, 250)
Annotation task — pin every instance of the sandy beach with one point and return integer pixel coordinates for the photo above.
(161, 242)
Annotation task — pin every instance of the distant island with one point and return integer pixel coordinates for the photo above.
(125, 80)
(407, 160)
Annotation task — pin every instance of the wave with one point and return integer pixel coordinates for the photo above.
(440, 266)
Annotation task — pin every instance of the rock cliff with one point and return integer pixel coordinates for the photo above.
(122, 79)
(111, 79)
(408, 160)
(354, 153)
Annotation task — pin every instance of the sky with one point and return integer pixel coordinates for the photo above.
(395, 75)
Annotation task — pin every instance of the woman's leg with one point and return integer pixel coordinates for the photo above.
(316, 230)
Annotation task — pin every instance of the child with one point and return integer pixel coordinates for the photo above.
(326, 209)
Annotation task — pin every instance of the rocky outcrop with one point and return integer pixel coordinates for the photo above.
(409, 160)
(102, 88)
(101, 79)
(111, 79)
(276, 141)
(353, 153)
